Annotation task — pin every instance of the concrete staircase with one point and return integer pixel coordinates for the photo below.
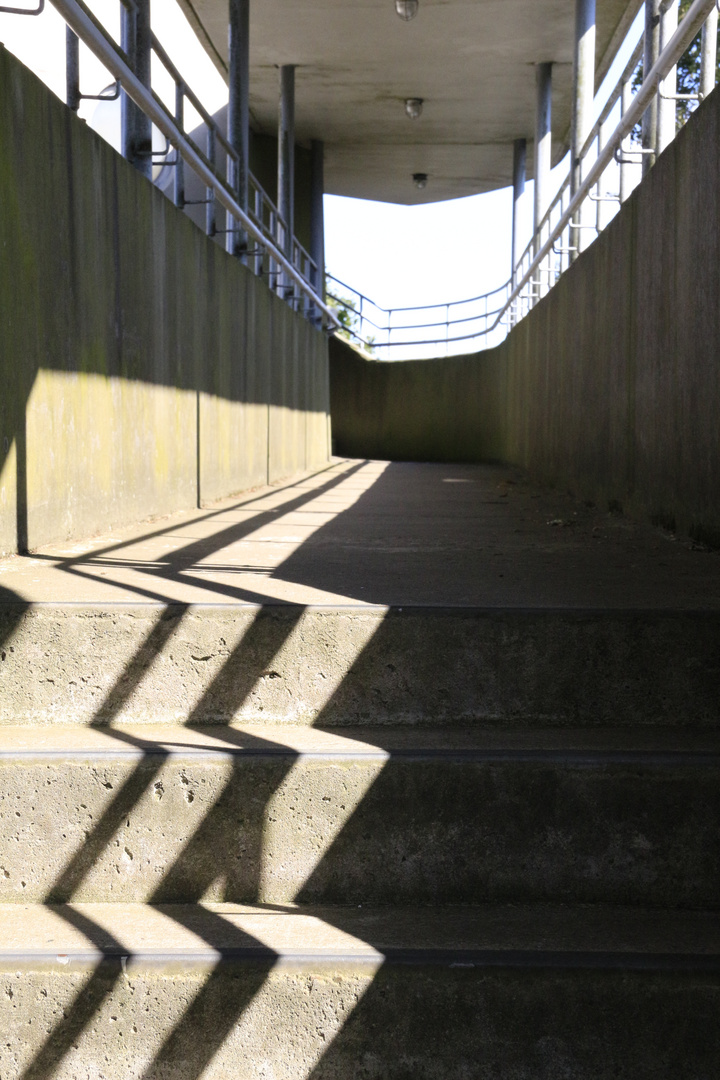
(358, 842)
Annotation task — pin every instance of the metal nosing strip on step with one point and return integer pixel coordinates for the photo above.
(407, 608)
(454, 959)
(577, 758)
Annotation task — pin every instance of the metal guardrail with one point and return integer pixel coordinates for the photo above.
(542, 262)
(360, 318)
(292, 277)
(673, 51)
(375, 328)
(263, 212)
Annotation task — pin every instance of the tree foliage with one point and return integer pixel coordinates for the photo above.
(688, 73)
(349, 320)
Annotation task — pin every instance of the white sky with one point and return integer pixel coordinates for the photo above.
(397, 255)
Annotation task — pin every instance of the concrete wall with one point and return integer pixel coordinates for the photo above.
(143, 369)
(610, 387)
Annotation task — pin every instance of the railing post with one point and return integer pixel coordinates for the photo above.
(135, 40)
(708, 54)
(583, 96)
(72, 69)
(666, 104)
(543, 152)
(239, 113)
(650, 54)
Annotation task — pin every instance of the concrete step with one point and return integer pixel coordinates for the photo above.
(280, 813)
(356, 664)
(219, 990)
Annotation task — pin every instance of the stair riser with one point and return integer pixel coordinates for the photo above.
(350, 666)
(280, 829)
(320, 1023)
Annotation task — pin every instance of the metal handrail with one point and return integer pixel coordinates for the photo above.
(389, 327)
(681, 39)
(531, 278)
(587, 147)
(294, 270)
(420, 326)
(89, 29)
(416, 307)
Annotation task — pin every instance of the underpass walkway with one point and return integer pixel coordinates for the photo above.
(388, 534)
(387, 770)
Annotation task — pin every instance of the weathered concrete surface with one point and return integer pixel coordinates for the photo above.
(408, 597)
(477, 993)
(143, 369)
(368, 593)
(473, 64)
(252, 815)
(609, 388)
(290, 664)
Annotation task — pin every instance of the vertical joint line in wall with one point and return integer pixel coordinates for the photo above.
(21, 485)
(632, 334)
(267, 446)
(197, 448)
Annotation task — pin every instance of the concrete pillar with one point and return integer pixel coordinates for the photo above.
(239, 110)
(135, 40)
(286, 152)
(650, 55)
(708, 54)
(317, 216)
(519, 171)
(583, 84)
(543, 145)
(666, 104)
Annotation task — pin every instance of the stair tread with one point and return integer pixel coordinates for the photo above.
(136, 740)
(590, 934)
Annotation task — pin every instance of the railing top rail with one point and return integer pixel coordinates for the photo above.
(179, 80)
(90, 30)
(678, 43)
(418, 307)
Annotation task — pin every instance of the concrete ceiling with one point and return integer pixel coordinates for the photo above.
(472, 61)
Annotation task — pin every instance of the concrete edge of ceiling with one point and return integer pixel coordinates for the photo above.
(563, 145)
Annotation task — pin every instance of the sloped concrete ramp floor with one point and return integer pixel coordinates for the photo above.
(390, 770)
(379, 533)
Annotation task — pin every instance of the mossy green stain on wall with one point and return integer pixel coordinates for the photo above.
(118, 317)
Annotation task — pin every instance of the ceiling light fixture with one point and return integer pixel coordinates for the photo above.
(407, 9)
(413, 107)
(420, 180)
